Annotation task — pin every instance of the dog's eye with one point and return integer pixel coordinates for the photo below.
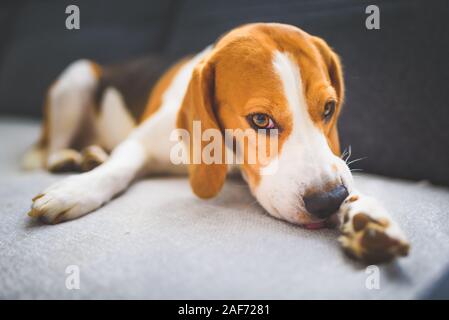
(260, 121)
(329, 110)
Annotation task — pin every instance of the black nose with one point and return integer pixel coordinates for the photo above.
(324, 204)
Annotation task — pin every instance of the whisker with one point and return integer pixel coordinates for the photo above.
(344, 153)
(349, 153)
(355, 160)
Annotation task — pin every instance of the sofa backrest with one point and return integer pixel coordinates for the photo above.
(396, 112)
(397, 94)
(39, 46)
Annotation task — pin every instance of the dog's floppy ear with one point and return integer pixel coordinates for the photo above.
(335, 72)
(333, 64)
(206, 180)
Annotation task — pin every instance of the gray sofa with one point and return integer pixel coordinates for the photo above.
(159, 241)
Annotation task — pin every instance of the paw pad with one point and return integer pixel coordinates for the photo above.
(359, 221)
(369, 240)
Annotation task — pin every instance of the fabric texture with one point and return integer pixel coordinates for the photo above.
(158, 240)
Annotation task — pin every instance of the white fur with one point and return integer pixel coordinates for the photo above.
(114, 123)
(69, 100)
(155, 132)
(305, 160)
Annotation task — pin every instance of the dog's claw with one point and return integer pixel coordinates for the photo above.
(40, 195)
(33, 213)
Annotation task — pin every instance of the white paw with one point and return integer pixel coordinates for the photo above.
(369, 233)
(68, 199)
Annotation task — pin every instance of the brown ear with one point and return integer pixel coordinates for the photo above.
(333, 64)
(206, 180)
(334, 141)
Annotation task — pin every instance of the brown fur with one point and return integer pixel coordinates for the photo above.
(229, 84)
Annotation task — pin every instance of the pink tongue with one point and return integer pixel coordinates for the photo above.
(315, 225)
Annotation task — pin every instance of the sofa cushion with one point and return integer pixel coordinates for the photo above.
(158, 240)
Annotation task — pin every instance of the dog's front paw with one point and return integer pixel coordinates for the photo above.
(69, 199)
(368, 233)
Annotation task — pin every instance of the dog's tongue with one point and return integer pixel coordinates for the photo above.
(315, 225)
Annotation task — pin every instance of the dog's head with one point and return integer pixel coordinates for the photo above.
(274, 76)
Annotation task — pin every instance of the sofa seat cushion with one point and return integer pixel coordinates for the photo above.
(158, 240)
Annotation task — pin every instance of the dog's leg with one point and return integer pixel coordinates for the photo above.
(69, 102)
(80, 194)
(368, 231)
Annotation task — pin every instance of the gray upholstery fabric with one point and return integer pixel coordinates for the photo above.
(37, 46)
(158, 241)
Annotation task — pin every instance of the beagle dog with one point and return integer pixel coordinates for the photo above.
(114, 124)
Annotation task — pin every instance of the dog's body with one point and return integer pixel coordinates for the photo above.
(260, 76)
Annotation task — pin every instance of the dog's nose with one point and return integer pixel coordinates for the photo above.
(324, 204)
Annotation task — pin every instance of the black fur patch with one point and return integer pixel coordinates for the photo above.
(134, 80)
